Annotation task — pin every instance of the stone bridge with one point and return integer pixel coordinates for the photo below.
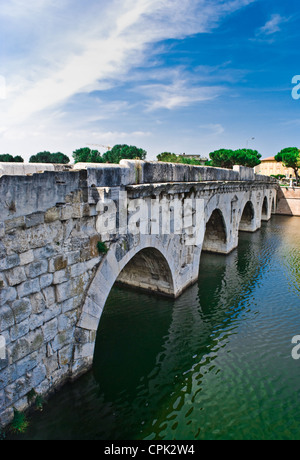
(66, 236)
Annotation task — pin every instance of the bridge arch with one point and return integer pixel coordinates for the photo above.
(273, 205)
(149, 270)
(248, 221)
(215, 238)
(265, 210)
(144, 267)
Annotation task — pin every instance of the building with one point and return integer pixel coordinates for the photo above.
(269, 166)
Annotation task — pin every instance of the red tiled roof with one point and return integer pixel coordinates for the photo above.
(268, 159)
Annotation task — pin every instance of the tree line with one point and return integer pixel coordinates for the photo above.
(83, 155)
(222, 158)
(226, 158)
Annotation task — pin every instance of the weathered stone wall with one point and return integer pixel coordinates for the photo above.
(47, 261)
(288, 203)
(54, 281)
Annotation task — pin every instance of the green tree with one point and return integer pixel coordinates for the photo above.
(189, 161)
(86, 155)
(7, 158)
(41, 157)
(168, 157)
(123, 152)
(47, 157)
(18, 159)
(222, 158)
(226, 158)
(59, 158)
(247, 157)
(290, 157)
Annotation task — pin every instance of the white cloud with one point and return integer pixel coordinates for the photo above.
(272, 26)
(66, 47)
(21, 9)
(179, 93)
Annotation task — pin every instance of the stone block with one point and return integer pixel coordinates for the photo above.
(38, 303)
(46, 280)
(2, 229)
(88, 322)
(36, 269)
(28, 363)
(36, 321)
(84, 351)
(6, 416)
(50, 330)
(26, 345)
(45, 252)
(52, 312)
(52, 215)
(65, 355)
(49, 295)
(18, 331)
(66, 212)
(26, 257)
(82, 335)
(51, 364)
(16, 276)
(64, 291)
(57, 264)
(91, 308)
(66, 321)
(34, 219)
(16, 223)
(38, 375)
(8, 294)
(68, 305)
(62, 339)
(61, 277)
(21, 404)
(78, 269)
(28, 287)
(21, 309)
(9, 262)
(73, 257)
(72, 288)
(7, 319)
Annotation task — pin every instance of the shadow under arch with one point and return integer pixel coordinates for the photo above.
(145, 268)
(247, 222)
(265, 210)
(215, 238)
(273, 206)
(148, 270)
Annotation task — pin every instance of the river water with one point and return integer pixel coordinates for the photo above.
(214, 364)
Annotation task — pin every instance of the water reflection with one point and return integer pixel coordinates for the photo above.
(213, 364)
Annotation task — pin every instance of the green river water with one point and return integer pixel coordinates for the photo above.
(214, 364)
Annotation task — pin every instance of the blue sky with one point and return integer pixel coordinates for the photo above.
(187, 76)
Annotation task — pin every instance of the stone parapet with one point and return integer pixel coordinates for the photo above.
(21, 195)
